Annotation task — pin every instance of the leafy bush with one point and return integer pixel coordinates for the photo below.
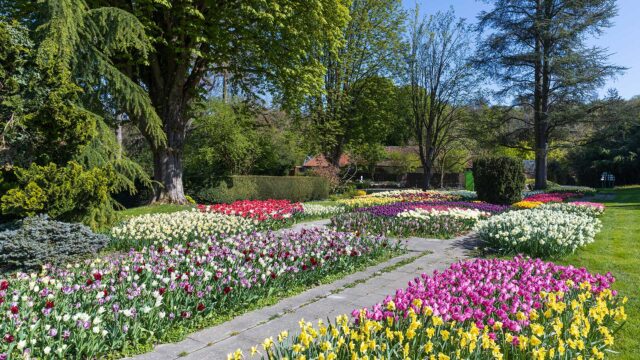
(68, 193)
(34, 241)
(293, 188)
(499, 180)
(538, 232)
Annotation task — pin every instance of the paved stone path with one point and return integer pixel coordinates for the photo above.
(362, 289)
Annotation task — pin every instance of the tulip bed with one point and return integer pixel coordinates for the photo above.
(176, 228)
(481, 309)
(547, 231)
(426, 219)
(270, 213)
(106, 306)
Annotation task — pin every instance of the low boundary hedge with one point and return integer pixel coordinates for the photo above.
(252, 187)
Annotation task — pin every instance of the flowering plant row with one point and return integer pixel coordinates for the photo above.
(590, 209)
(260, 210)
(551, 197)
(95, 308)
(444, 194)
(320, 211)
(396, 208)
(176, 228)
(540, 232)
(481, 309)
(439, 224)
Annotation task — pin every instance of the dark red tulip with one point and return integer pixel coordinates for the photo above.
(201, 307)
(14, 309)
(8, 338)
(4, 285)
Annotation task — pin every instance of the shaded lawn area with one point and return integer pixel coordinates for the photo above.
(617, 249)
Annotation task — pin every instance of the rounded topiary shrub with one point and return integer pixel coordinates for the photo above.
(29, 243)
(499, 180)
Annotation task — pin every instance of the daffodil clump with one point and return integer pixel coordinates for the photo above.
(366, 201)
(526, 204)
(550, 317)
(177, 228)
(578, 207)
(321, 211)
(540, 232)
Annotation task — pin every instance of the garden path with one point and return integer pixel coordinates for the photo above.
(362, 289)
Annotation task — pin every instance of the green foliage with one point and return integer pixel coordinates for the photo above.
(357, 107)
(229, 139)
(613, 149)
(499, 180)
(68, 193)
(35, 241)
(15, 47)
(294, 188)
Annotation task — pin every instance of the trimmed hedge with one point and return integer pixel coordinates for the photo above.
(499, 180)
(250, 187)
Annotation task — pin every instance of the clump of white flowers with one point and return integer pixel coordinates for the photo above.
(316, 210)
(177, 227)
(541, 232)
(458, 213)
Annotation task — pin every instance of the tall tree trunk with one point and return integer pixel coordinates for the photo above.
(427, 172)
(167, 170)
(167, 160)
(539, 111)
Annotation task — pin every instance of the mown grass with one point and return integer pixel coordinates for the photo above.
(152, 209)
(617, 250)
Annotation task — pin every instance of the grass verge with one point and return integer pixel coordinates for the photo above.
(617, 250)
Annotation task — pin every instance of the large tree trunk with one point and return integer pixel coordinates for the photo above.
(167, 170)
(539, 109)
(428, 172)
(167, 160)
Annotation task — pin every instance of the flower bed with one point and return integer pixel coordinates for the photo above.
(590, 209)
(365, 201)
(480, 309)
(551, 197)
(396, 208)
(103, 307)
(439, 224)
(176, 228)
(261, 210)
(311, 211)
(538, 232)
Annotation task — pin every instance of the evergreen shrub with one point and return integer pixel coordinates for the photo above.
(499, 180)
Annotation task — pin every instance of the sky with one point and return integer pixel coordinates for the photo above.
(622, 39)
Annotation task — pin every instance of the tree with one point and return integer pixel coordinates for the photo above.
(61, 104)
(536, 51)
(354, 77)
(440, 78)
(262, 45)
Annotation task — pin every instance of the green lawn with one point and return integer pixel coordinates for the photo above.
(617, 249)
(152, 209)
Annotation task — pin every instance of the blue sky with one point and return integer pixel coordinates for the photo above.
(622, 40)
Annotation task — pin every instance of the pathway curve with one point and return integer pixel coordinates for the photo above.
(357, 290)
